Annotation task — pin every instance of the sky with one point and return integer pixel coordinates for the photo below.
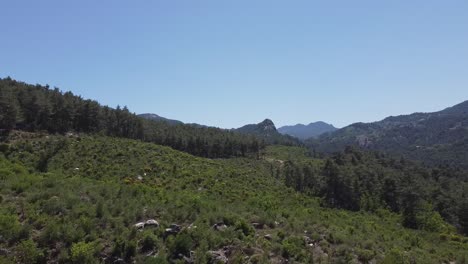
(230, 63)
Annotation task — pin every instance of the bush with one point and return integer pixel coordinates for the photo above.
(10, 228)
(27, 252)
(83, 253)
(181, 245)
(395, 256)
(149, 242)
(244, 227)
(292, 247)
(365, 255)
(130, 250)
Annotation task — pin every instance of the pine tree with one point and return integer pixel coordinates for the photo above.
(8, 111)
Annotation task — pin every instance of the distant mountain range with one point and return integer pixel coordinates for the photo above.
(311, 130)
(433, 138)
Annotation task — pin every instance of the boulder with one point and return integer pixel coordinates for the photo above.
(218, 256)
(220, 227)
(172, 230)
(151, 222)
(139, 225)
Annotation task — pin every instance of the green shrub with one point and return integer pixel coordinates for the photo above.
(243, 226)
(365, 255)
(83, 253)
(27, 252)
(395, 256)
(10, 227)
(292, 247)
(149, 242)
(4, 147)
(181, 244)
(130, 250)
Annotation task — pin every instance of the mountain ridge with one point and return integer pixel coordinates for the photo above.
(435, 138)
(303, 132)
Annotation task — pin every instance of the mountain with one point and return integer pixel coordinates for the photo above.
(434, 138)
(155, 117)
(266, 130)
(311, 130)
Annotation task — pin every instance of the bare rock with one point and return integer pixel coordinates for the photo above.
(220, 227)
(151, 222)
(218, 256)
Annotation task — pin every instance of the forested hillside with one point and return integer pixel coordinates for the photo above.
(356, 180)
(85, 183)
(38, 108)
(91, 199)
(439, 138)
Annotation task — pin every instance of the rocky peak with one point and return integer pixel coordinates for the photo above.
(267, 125)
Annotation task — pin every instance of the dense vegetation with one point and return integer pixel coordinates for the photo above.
(439, 138)
(76, 199)
(356, 180)
(38, 108)
(85, 183)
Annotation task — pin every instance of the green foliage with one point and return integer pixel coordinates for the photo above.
(83, 253)
(181, 244)
(130, 250)
(245, 228)
(356, 180)
(27, 252)
(293, 247)
(149, 242)
(38, 108)
(10, 227)
(91, 197)
(395, 256)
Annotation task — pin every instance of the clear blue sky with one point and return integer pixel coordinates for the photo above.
(228, 63)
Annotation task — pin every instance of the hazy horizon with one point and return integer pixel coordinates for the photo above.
(231, 64)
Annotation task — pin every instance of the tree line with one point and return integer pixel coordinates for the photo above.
(41, 108)
(357, 180)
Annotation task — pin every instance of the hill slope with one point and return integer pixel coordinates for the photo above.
(433, 138)
(77, 199)
(311, 130)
